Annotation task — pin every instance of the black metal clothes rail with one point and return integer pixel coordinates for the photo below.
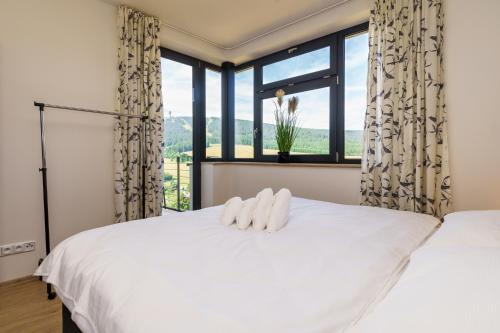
(41, 108)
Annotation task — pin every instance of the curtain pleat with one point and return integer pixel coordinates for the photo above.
(405, 157)
(138, 93)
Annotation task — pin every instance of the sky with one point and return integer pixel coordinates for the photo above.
(313, 104)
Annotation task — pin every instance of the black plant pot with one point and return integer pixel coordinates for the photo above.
(284, 157)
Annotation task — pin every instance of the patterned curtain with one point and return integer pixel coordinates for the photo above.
(139, 93)
(405, 158)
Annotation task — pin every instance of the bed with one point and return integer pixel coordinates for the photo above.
(187, 273)
(452, 283)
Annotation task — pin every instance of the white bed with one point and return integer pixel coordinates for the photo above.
(187, 273)
(452, 284)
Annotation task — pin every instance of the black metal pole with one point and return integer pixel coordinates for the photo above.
(178, 183)
(144, 159)
(43, 170)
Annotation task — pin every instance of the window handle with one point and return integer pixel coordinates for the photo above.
(255, 132)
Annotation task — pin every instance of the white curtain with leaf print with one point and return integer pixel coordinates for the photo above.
(139, 93)
(405, 158)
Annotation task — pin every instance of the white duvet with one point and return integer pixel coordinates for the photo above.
(188, 273)
(452, 284)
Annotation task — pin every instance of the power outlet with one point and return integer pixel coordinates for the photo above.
(15, 248)
(6, 250)
(29, 246)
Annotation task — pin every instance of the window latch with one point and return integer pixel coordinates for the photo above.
(293, 49)
(255, 131)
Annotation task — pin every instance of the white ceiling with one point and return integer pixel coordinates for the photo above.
(227, 26)
(228, 23)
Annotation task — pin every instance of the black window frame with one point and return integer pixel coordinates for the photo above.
(332, 77)
(199, 123)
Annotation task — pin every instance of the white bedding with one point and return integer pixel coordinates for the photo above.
(188, 273)
(452, 283)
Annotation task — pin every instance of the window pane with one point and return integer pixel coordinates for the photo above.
(314, 119)
(356, 71)
(177, 86)
(213, 112)
(299, 65)
(243, 114)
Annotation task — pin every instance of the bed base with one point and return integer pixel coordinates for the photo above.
(68, 324)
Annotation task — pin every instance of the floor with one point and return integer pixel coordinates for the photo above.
(24, 307)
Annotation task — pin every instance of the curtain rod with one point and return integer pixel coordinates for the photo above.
(71, 108)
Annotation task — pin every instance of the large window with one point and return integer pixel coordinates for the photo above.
(226, 112)
(328, 75)
(233, 105)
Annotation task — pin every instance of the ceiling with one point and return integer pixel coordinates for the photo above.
(226, 27)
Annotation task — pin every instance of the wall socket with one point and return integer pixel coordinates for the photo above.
(15, 248)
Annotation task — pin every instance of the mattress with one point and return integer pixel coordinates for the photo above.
(451, 283)
(188, 273)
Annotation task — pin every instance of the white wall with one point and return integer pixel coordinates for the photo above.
(328, 183)
(60, 52)
(472, 60)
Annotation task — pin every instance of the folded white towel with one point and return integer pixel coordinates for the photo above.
(279, 213)
(232, 208)
(262, 209)
(244, 218)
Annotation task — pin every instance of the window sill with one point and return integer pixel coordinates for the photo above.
(275, 164)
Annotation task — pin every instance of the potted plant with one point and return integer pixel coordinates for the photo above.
(287, 125)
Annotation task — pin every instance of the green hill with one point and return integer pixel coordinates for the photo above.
(179, 133)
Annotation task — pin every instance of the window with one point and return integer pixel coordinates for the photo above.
(191, 90)
(328, 75)
(356, 70)
(226, 112)
(213, 114)
(314, 114)
(243, 114)
(309, 62)
(177, 86)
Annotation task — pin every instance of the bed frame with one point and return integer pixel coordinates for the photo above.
(68, 324)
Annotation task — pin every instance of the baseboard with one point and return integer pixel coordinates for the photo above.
(18, 280)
